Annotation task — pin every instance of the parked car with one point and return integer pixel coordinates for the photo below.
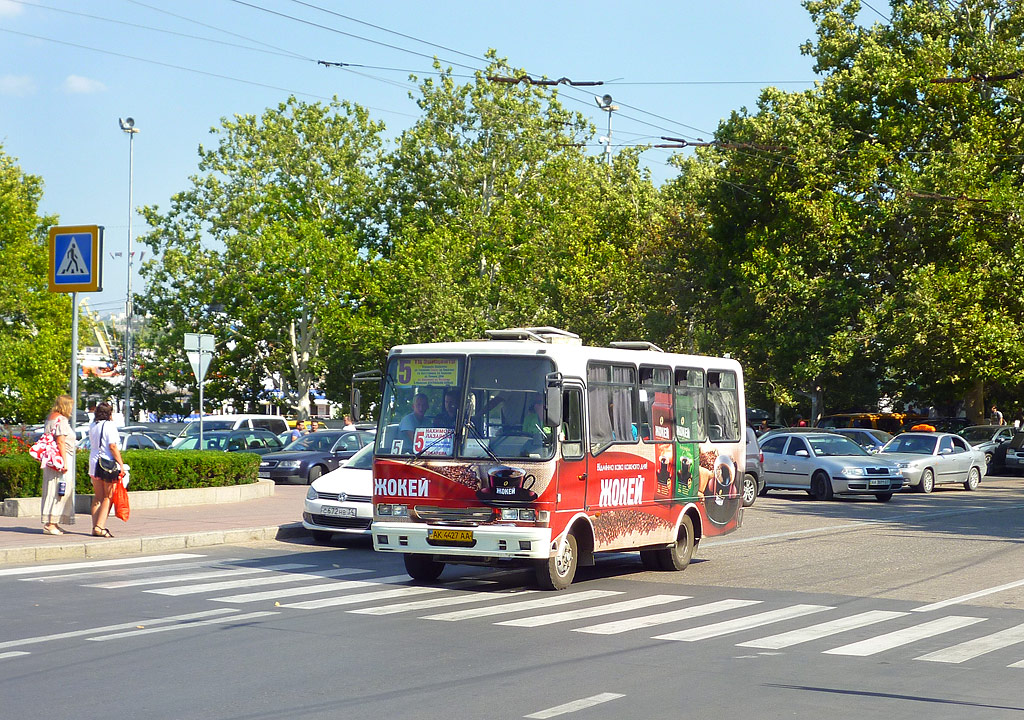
(274, 423)
(890, 422)
(160, 438)
(753, 480)
(1015, 453)
(993, 440)
(868, 438)
(927, 458)
(782, 430)
(342, 500)
(312, 455)
(260, 442)
(824, 464)
(130, 440)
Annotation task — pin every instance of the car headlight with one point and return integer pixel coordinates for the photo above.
(903, 465)
(853, 472)
(290, 464)
(311, 493)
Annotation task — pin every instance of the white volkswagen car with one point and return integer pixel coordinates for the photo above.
(342, 500)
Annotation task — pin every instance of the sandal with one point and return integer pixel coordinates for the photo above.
(101, 532)
(52, 531)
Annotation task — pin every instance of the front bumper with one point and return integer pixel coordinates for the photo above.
(843, 485)
(296, 476)
(489, 541)
(315, 517)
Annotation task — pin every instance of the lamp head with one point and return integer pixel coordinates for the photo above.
(128, 124)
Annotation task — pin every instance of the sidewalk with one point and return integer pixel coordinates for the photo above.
(158, 530)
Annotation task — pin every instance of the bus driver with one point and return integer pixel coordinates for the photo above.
(416, 419)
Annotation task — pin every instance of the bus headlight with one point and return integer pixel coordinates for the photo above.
(393, 510)
(525, 514)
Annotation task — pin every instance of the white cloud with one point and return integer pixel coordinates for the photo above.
(82, 85)
(17, 85)
(9, 9)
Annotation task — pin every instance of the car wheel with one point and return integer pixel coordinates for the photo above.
(749, 490)
(322, 536)
(988, 460)
(679, 555)
(883, 497)
(557, 572)
(821, 486)
(314, 472)
(422, 567)
(927, 483)
(973, 479)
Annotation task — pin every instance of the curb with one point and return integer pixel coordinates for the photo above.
(116, 547)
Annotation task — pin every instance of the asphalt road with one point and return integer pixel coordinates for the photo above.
(851, 608)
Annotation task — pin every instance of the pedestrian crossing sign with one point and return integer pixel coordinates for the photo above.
(76, 258)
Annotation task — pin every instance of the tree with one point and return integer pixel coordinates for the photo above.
(35, 324)
(266, 250)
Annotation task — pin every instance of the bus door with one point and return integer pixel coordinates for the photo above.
(572, 463)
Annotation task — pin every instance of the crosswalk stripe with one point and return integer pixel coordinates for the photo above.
(311, 589)
(233, 619)
(355, 598)
(413, 605)
(904, 636)
(111, 628)
(979, 646)
(580, 613)
(6, 572)
(284, 577)
(200, 575)
(574, 706)
(128, 572)
(825, 629)
(1018, 664)
(15, 653)
(618, 626)
(743, 623)
(546, 601)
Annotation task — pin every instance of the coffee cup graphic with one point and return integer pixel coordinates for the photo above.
(723, 496)
(508, 483)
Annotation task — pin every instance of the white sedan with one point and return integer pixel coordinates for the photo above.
(342, 500)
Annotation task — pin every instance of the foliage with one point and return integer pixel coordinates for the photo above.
(35, 324)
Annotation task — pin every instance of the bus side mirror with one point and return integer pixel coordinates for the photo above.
(553, 400)
(357, 401)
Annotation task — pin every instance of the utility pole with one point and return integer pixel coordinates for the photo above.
(128, 126)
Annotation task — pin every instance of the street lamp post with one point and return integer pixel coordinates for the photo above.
(605, 103)
(128, 126)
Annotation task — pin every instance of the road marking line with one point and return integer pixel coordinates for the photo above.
(618, 626)
(95, 563)
(567, 615)
(1018, 664)
(363, 597)
(200, 575)
(825, 629)
(119, 626)
(969, 596)
(310, 589)
(979, 646)
(429, 603)
(277, 579)
(743, 623)
(180, 626)
(123, 572)
(575, 706)
(903, 637)
(547, 601)
(16, 653)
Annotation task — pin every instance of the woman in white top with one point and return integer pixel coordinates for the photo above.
(104, 442)
(59, 485)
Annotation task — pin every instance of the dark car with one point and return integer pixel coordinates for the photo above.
(260, 442)
(870, 439)
(160, 438)
(993, 440)
(312, 455)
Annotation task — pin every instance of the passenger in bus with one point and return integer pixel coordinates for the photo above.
(446, 418)
(416, 419)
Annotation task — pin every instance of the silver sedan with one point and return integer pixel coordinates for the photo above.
(927, 459)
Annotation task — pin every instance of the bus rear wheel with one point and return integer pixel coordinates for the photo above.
(557, 572)
(678, 556)
(422, 567)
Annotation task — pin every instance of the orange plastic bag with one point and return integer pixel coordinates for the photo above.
(121, 507)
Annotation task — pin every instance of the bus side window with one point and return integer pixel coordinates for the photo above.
(572, 424)
(723, 406)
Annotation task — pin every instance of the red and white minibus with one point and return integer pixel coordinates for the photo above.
(528, 448)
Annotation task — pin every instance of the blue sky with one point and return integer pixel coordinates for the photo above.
(680, 67)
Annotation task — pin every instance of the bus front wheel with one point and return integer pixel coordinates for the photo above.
(422, 567)
(678, 556)
(557, 572)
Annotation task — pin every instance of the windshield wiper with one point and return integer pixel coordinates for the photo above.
(483, 446)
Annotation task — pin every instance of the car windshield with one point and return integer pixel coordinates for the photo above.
(437, 407)
(208, 424)
(315, 441)
(362, 460)
(913, 444)
(832, 445)
(210, 442)
(977, 434)
(880, 435)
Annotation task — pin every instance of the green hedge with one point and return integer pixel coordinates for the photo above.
(20, 475)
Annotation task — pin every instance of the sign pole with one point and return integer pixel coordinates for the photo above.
(201, 414)
(74, 360)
